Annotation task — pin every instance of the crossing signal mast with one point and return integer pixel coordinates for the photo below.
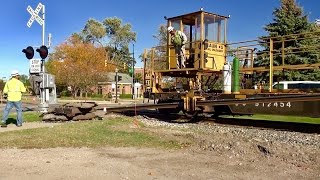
(42, 83)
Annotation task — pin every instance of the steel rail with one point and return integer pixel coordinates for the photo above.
(142, 106)
(277, 98)
(295, 98)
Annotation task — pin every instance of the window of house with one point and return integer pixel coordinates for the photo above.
(148, 82)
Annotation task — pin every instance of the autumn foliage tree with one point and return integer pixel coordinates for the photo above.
(85, 58)
(77, 65)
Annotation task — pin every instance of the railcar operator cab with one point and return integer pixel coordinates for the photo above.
(207, 38)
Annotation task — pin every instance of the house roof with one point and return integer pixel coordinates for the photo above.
(110, 78)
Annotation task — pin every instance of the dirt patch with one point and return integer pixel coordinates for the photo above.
(205, 155)
(133, 163)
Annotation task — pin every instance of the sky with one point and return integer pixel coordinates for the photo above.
(64, 17)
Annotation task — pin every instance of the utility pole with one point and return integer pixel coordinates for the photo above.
(144, 70)
(116, 85)
(44, 92)
(132, 71)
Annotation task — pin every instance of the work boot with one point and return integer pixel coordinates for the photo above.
(19, 125)
(3, 124)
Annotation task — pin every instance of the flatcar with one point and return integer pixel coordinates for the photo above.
(220, 77)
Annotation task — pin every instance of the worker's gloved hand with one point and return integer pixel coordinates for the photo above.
(5, 96)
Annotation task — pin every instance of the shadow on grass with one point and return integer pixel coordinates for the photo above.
(11, 121)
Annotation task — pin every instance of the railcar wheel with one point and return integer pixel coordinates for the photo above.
(191, 114)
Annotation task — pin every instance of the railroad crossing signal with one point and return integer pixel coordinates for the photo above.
(29, 52)
(117, 79)
(47, 93)
(43, 51)
(34, 15)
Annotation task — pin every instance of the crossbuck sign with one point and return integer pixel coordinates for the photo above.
(34, 15)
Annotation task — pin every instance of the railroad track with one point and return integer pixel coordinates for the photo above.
(230, 122)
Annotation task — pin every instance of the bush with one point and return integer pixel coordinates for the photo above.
(95, 95)
(125, 96)
(65, 93)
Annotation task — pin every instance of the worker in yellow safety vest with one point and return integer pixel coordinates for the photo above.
(178, 40)
(13, 89)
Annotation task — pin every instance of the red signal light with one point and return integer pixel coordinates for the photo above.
(43, 51)
(29, 52)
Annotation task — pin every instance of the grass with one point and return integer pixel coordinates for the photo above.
(27, 116)
(279, 118)
(115, 132)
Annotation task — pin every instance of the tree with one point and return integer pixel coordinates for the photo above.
(138, 77)
(94, 31)
(114, 36)
(162, 36)
(25, 80)
(289, 19)
(2, 83)
(160, 51)
(77, 65)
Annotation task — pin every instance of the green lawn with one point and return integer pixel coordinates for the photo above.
(27, 116)
(116, 132)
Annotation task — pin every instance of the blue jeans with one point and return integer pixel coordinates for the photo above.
(9, 106)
